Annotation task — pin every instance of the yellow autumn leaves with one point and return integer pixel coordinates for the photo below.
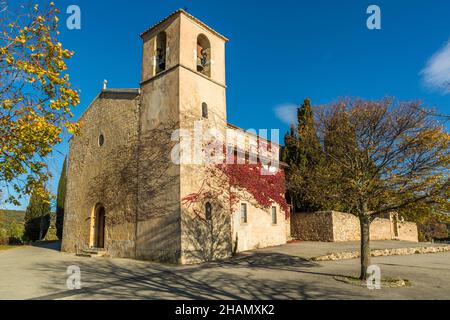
(36, 99)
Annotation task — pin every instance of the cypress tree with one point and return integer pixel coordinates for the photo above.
(37, 218)
(61, 197)
(303, 153)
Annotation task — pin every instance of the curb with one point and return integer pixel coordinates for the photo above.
(346, 255)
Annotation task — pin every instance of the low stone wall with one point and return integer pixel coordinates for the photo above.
(317, 226)
(381, 229)
(345, 227)
(408, 231)
(333, 226)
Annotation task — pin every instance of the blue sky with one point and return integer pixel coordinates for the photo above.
(279, 52)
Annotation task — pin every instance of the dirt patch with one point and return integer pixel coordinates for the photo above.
(385, 283)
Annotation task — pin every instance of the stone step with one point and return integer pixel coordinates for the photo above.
(92, 249)
(92, 252)
(84, 255)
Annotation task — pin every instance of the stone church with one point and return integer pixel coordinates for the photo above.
(125, 194)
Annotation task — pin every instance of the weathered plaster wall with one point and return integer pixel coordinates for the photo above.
(202, 240)
(172, 29)
(158, 230)
(103, 175)
(258, 232)
(188, 46)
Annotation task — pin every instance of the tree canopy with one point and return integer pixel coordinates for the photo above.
(36, 98)
(303, 154)
(37, 218)
(379, 156)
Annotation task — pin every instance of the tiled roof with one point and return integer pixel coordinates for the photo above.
(121, 90)
(182, 11)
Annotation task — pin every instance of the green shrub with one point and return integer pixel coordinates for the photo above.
(4, 238)
(433, 228)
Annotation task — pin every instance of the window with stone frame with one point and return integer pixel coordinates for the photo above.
(274, 215)
(204, 110)
(244, 214)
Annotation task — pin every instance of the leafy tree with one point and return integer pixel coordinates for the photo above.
(303, 154)
(15, 231)
(432, 224)
(382, 156)
(61, 197)
(37, 217)
(36, 97)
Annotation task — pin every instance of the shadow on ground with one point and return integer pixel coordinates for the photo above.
(259, 276)
(50, 245)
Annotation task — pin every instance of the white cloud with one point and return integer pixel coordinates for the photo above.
(436, 73)
(286, 113)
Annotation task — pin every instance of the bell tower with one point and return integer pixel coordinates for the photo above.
(183, 72)
(182, 84)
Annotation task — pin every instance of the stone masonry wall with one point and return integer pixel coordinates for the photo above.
(338, 226)
(381, 229)
(103, 175)
(408, 231)
(345, 227)
(317, 226)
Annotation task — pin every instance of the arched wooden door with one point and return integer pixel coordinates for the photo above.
(100, 227)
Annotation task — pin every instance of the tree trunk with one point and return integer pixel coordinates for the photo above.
(365, 245)
(41, 228)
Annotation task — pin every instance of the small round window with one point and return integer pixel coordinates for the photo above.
(101, 140)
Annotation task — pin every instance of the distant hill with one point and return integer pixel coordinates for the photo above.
(8, 216)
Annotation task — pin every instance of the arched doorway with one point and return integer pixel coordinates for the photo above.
(99, 227)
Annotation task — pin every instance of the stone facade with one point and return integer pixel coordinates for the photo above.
(125, 193)
(104, 175)
(332, 226)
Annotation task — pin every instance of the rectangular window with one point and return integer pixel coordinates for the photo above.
(204, 110)
(243, 213)
(274, 215)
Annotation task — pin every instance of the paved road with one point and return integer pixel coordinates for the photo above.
(40, 273)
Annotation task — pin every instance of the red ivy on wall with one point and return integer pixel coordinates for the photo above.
(266, 189)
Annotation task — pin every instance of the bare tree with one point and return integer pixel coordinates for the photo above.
(381, 156)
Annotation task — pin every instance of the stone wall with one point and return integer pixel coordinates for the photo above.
(381, 229)
(408, 231)
(104, 175)
(338, 226)
(345, 227)
(317, 226)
